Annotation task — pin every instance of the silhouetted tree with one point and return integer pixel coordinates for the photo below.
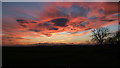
(115, 39)
(100, 35)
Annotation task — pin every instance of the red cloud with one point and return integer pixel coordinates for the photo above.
(69, 17)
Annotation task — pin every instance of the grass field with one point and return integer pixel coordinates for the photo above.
(60, 56)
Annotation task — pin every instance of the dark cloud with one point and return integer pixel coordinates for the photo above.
(19, 38)
(54, 29)
(21, 21)
(35, 30)
(25, 21)
(47, 34)
(43, 24)
(23, 25)
(83, 23)
(12, 38)
(73, 29)
(33, 22)
(109, 20)
(93, 18)
(8, 37)
(88, 28)
(72, 32)
(60, 22)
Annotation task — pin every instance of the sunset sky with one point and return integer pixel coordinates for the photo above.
(27, 23)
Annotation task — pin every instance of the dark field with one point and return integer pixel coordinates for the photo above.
(60, 57)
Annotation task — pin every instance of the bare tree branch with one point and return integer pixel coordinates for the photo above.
(100, 35)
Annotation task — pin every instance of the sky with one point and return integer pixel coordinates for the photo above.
(25, 23)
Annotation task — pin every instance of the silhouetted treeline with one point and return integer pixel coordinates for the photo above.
(103, 36)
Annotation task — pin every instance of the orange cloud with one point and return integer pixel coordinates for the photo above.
(69, 17)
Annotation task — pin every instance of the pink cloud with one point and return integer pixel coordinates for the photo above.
(67, 17)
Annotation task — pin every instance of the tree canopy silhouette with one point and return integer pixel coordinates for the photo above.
(100, 35)
(115, 39)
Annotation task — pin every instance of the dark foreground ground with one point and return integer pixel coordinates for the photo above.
(60, 57)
